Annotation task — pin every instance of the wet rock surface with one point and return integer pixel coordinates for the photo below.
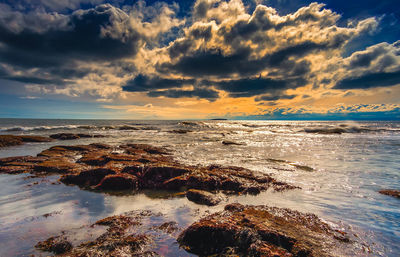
(390, 192)
(134, 167)
(71, 136)
(202, 197)
(125, 235)
(10, 140)
(244, 230)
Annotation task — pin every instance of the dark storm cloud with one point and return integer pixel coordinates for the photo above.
(143, 83)
(376, 66)
(204, 93)
(382, 79)
(257, 86)
(87, 35)
(215, 63)
(98, 34)
(274, 97)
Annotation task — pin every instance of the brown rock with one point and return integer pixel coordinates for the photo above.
(180, 131)
(390, 192)
(57, 165)
(65, 136)
(202, 197)
(227, 142)
(87, 177)
(57, 245)
(119, 239)
(126, 127)
(122, 181)
(10, 140)
(154, 177)
(260, 231)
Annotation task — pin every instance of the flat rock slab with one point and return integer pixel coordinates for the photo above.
(134, 167)
(72, 136)
(10, 140)
(261, 231)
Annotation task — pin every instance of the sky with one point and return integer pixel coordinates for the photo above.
(203, 59)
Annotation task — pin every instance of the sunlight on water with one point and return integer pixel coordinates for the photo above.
(340, 166)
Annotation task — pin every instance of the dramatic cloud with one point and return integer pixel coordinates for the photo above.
(259, 53)
(377, 66)
(221, 52)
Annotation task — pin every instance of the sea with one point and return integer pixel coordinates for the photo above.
(339, 165)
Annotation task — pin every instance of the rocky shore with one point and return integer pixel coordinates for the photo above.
(238, 230)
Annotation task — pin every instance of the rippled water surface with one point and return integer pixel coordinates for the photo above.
(340, 167)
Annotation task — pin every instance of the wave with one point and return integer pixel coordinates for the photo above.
(345, 129)
(40, 128)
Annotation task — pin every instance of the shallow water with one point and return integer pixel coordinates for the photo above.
(340, 178)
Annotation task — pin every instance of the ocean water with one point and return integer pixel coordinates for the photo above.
(339, 165)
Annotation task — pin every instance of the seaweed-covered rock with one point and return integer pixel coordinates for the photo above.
(136, 167)
(116, 182)
(119, 239)
(90, 177)
(57, 165)
(57, 245)
(202, 197)
(260, 231)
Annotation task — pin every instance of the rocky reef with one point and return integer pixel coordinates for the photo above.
(134, 167)
(123, 236)
(245, 230)
(72, 136)
(11, 140)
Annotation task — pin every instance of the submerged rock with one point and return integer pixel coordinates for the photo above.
(260, 231)
(202, 197)
(390, 192)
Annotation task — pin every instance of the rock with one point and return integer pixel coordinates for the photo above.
(137, 167)
(10, 140)
(126, 127)
(35, 139)
(154, 177)
(227, 142)
(71, 136)
(202, 197)
(260, 231)
(65, 136)
(87, 177)
(134, 148)
(57, 245)
(180, 131)
(119, 239)
(57, 165)
(168, 227)
(390, 192)
(119, 182)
